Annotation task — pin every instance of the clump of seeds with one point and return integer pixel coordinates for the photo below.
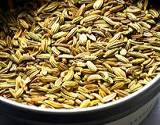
(78, 53)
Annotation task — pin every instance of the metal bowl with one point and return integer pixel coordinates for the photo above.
(130, 110)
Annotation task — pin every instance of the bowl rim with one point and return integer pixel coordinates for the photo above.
(81, 110)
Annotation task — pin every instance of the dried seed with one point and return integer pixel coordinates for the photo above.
(53, 104)
(123, 52)
(91, 87)
(69, 75)
(55, 27)
(116, 8)
(69, 84)
(102, 93)
(67, 56)
(85, 103)
(59, 35)
(115, 37)
(94, 102)
(71, 94)
(104, 74)
(135, 87)
(109, 97)
(7, 85)
(119, 72)
(71, 33)
(91, 66)
(94, 77)
(81, 10)
(138, 54)
(43, 56)
(122, 58)
(77, 19)
(132, 17)
(118, 85)
(121, 93)
(109, 68)
(63, 49)
(89, 57)
(153, 12)
(89, 18)
(97, 96)
(109, 21)
(98, 4)
(110, 52)
(34, 36)
(56, 51)
(23, 23)
(19, 92)
(138, 60)
(58, 82)
(48, 78)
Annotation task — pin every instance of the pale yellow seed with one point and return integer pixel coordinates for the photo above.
(85, 103)
(98, 4)
(118, 85)
(109, 97)
(91, 66)
(53, 104)
(69, 84)
(94, 77)
(69, 75)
